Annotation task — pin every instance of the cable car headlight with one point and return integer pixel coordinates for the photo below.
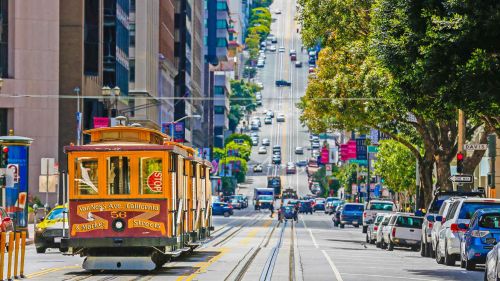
(118, 225)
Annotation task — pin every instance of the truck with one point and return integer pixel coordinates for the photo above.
(289, 193)
(375, 207)
(274, 182)
(263, 198)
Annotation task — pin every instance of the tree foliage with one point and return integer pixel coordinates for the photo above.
(396, 165)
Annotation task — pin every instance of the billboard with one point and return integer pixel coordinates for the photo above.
(16, 189)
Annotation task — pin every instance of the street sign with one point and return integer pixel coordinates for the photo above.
(360, 162)
(476, 146)
(372, 149)
(462, 178)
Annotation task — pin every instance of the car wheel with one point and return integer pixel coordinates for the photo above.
(469, 265)
(226, 214)
(462, 262)
(378, 245)
(431, 251)
(415, 248)
(356, 226)
(390, 247)
(439, 259)
(423, 248)
(365, 228)
(41, 250)
(342, 225)
(367, 238)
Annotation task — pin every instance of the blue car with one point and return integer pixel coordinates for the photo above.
(352, 214)
(221, 209)
(481, 236)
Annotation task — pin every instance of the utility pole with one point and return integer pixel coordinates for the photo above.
(492, 153)
(461, 131)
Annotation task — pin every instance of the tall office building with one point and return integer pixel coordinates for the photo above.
(29, 68)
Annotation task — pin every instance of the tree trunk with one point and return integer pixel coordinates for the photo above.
(425, 168)
(443, 173)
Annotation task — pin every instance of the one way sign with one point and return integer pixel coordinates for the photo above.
(462, 178)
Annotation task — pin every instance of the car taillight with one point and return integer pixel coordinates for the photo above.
(364, 214)
(375, 228)
(429, 225)
(394, 232)
(454, 228)
(479, 233)
(230, 206)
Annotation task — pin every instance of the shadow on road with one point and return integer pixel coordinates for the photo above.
(445, 274)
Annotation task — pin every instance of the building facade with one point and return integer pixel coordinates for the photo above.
(29, 66)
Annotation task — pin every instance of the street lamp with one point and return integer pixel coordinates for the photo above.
(107, 93)
(197, 116)
(78, 117)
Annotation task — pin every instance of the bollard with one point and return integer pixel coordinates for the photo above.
(16, 253)
(9, 256)
(23, 252)
(2, 253)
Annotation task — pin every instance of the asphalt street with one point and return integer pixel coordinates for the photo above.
(253, 246)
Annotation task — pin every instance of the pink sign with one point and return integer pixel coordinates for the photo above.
(325, 155)
(348, 150)
(101, 122)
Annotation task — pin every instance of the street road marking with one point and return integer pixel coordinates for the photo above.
(386, 276)
(50, 270)
(332, 265)
(202, 266)
(313, 239)
(254, 232)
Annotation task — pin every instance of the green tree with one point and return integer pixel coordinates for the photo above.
(396, 165)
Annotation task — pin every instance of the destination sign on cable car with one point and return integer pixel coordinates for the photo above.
(155, 182)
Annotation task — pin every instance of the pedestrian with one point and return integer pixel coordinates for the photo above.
(271, 208)
(280, 215)
(296, 212)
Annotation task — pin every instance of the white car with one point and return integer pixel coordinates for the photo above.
(278, 12)
(272, 48)
(292, 52)
(403, 230)
(260, 63)
(371, 233)
(270, 113)
(262, 150)
(281, 49)
(299, 150)
(268, 120)
(379, 241)
(257, 168)
(436, 224)
(280, 118)
(257, 120)
(266, 142)
(373, 208)
(450, 235)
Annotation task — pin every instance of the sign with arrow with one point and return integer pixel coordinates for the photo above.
(461, 178)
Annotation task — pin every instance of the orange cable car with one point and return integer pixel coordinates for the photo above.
(135, 199)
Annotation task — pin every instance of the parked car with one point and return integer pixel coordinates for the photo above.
(371, 233)
(257, 168)
(403, 230)
(379, 242)
(6, 223)
(450, 235)
(336, 215)
(305, 207)
(332, 205)
(49, 231)
(373, 208)
(352, 214)
(481, 235)
(492, 264)
(222, 209)
(262, 150)
(426, 249)
(282, 83)
(319, 204)
(436, 227)
(299, 150)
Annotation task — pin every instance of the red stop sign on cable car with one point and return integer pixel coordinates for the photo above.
(155, 182)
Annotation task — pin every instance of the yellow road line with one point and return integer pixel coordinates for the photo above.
(202, 266)
(254, 232)
(50, 270)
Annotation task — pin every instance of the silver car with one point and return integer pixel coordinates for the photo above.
(371, 232)
(379, 241)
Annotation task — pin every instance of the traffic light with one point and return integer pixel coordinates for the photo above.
(4, 156)
(460, 163)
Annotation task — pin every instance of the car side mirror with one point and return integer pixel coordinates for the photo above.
(41, 219)
(462, 226)
(431, 218)
(439, 218)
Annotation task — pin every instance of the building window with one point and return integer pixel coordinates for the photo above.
(131, 65)
(132, 34)
(3, 121)
(222, 6)
(221, 24)
(188, 39)
(219, 109)
(221, 42)
(219, 91)
(151, 178)
(118, 175)
(132, 5)
(91, 37)
(4, 38)
(188, 70)
(86, 175)
(189, 11)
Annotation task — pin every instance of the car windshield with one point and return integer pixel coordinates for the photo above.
(382, 206)
(265, 197)
(220, 204)
(410, 222)
(436, 205)
(490, 221)
(349, 207)
(469, 208)
(56, 214)
(378, 220)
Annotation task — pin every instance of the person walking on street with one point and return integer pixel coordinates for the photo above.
(271, 208)
(296, 212)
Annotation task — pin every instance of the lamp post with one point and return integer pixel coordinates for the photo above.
(78, 117)
(107, 93)
(179, 120)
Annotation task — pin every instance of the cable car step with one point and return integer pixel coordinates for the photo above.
(118, 263)
(186, 249)
(194, 244)
(174, 254)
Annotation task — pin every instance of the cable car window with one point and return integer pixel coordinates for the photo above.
(118, 175)
(151, 178)
(86, 175)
